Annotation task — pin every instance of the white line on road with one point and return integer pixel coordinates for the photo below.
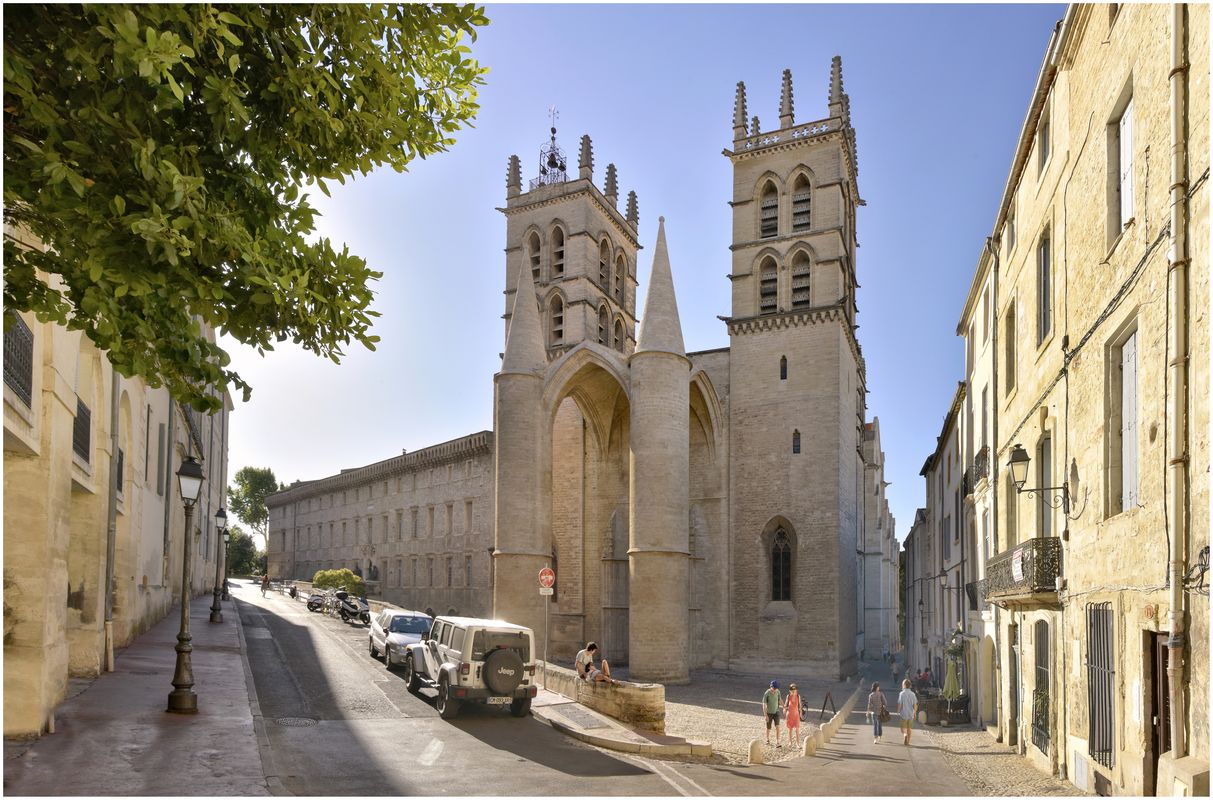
(431, 753)
(656, 768)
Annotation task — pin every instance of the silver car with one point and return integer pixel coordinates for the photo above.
(393, 629)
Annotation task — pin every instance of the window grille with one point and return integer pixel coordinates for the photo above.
(620, 271)
(1044, 292)
(796, 442)
(621, 338)
(769, 225)
(1101, 675)
(604, 266)
(557, 253)
(800, 210)
(19, 360)
(781, 567)
(467, 570)
(533, 247)
(82, 430)
(800, 281)
(783, 368)
(768, 289)
(604, 327)
(121, 469)
(1040, 694)
(557, 337)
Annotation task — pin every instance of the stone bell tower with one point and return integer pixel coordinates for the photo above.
(797, 405)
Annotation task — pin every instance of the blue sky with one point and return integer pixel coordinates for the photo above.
(938, 95)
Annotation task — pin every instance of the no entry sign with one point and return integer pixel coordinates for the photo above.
(547, 577)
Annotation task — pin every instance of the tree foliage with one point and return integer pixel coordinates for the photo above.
(161, 152)
(241, 552)
(336, 578)
(246, 497)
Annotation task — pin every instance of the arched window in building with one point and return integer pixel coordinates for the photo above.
(557, 252)
(801, 203)
(621, 271)
(768, 224)
(796, 442)
(556, 328)
(800, 280)
(532, 251)
(781, 566)
(604, 265)
(604, 326)
(768, 287)
(621, 337)
(783, 368)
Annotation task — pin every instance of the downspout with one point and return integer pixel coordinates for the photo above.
(992, 466)
(1177, 456)
(169, 442)
(111, 531)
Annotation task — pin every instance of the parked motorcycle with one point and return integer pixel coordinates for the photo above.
(353, 608)
(315, 602)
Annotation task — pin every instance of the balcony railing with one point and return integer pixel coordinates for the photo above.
(976, 472)
(1026, 574)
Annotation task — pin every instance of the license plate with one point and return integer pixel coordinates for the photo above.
(498, 701)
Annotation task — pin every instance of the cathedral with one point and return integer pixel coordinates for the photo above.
(719, 508)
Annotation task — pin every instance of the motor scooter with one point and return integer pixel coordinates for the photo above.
(353, 608)
(315, 602)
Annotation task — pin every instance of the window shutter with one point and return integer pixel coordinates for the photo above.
(1128, 429)
(1126, 165)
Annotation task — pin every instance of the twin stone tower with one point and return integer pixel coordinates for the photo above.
(700, 509)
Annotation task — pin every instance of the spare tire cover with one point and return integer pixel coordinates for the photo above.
(503, 671)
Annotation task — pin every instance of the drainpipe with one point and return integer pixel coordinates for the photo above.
(992, 466)
(111, 531)
(169, 447)
(1177, 456)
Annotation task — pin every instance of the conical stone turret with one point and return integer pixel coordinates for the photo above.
(524, 351)
(660, 327)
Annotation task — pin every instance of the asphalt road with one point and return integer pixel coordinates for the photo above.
(339, 723)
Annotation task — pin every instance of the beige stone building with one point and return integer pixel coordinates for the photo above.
(878, 569)
(702, 508)
(1098, 270)
(93, 518)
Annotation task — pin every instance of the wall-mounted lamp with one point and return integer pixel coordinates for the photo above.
(1018, 463)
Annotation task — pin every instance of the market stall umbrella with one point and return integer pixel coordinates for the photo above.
(951, 684)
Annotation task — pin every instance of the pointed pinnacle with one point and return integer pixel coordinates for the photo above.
(611, 189)
(633, 213)
(660, 328)
(754, 126)
(524, 351)
(513, 177)
(739, 113)
(586, 162)
(785, 101)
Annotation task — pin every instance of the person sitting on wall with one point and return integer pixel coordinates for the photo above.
(586, 669)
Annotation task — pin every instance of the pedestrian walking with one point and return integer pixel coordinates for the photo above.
(770, 710)
(265, 584)
(791, 711)
(878, 712)
(907, 708)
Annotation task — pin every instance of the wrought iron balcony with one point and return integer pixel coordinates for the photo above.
(1026, 574)
(981, 465)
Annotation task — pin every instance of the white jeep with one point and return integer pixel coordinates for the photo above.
(474, 660)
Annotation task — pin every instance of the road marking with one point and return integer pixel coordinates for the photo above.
(687, 778)
(653, 766)
(431, 753)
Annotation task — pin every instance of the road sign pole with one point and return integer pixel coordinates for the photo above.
(547, 630)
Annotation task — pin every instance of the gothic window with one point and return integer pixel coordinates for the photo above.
(768, 288)
(557, 252)
(620, 272)
(801, 199)
(604, 265)
(769, 212)
(783, 368)
(781, 566)
(620, 336)
(796, 442)
(604, 326)
(556, 336)
(532, 248)
(800, 280)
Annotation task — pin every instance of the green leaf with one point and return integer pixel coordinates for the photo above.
(176, 89)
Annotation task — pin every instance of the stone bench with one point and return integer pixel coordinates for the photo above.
(638, 705)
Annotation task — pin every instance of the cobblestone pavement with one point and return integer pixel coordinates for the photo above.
(990, 768)
(725, 709)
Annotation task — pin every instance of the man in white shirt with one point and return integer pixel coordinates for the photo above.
(585, 665)
(907, 707)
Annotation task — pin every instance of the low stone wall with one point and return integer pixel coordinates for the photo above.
(639, 705)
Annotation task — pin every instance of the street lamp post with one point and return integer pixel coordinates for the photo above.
(220, 562)
(182, 699)
(227, 552)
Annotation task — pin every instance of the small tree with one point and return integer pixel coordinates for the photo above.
(246, 498)
(336, 578)
(241, 552)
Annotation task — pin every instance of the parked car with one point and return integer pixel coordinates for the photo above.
(394, 629)
(474, 660)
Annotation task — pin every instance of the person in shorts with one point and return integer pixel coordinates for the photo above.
(585, 665)
(907, 707)
(770, 710)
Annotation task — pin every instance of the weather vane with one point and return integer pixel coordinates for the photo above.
(553, 113)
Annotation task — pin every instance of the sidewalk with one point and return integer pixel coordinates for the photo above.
(113, 736)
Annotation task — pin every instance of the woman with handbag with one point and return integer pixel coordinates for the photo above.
(791, 713)
(878, 710)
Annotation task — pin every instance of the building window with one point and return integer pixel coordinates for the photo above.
(450, 571)
(604, 327)
(161, 453)
(429, 567)
(1044, 476)
(1101, 680)
(621, 271)
(429, 530)
(947, 537)
(399, 525)
(1044, 291)
(450, 517)
(19, 360)
(467, 570)
(781, 566)
(800, 280)
(1122, 424)
(413, 513)
(557, 252)
(604, 266)
(1041, 724)
(769, 213)
(1010, 231)
(801, 198)
(985, 316)
(1043, 142)
(413, 573)
(768, 287)
(556, 336)
(783, 368)
(796, 442)
(621, 338)
(467, 516)
(1120, 171)
(82, 430)
(533, 253)
(399, 572)
(1010, 352)
(121, 468)
(370, 530)
(986, 545)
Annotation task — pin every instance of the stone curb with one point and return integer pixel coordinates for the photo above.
(272, 781)
(827, 731)
(687, 748)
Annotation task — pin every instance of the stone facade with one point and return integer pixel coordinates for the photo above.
(62, 481)
(878, 571)
(1098, 274)
(700, 508)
